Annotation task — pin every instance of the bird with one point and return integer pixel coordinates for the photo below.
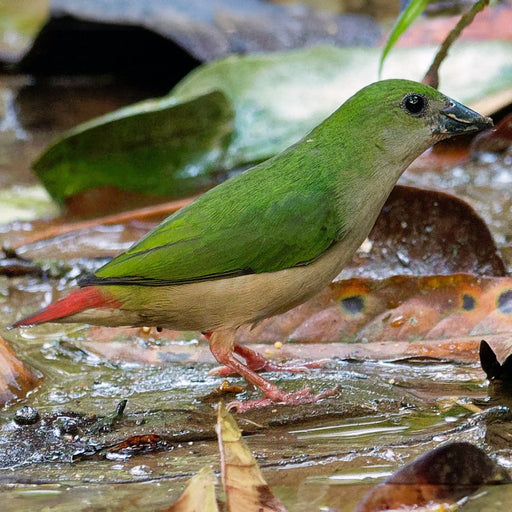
(271, 237)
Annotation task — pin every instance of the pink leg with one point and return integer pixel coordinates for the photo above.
(222, 346)
(258, 363)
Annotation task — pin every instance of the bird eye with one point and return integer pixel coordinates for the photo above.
(414, 104)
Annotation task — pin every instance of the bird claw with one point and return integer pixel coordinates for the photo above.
(304, 396)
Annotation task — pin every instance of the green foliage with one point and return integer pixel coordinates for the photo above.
(179, 144)
(154, 147)
(408, 15)
(187, 141)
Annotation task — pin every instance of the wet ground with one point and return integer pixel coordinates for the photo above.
(78, 455)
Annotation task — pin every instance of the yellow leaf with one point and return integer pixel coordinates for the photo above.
(199, 495)
(245, 487)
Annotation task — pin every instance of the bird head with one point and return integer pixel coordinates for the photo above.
(403, 118)
(423, 107)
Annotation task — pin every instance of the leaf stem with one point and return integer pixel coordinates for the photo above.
(432, 75)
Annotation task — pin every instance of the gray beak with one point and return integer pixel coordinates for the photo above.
(456, 118)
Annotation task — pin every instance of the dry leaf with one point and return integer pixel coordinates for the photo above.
(16, 379)
(423, 232)
(199, 495)
(245, 487)
(443, 475)
(399, 308)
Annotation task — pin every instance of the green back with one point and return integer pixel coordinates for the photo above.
(274, 216)
(288, 210)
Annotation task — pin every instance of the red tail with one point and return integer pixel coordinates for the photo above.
(74, 302)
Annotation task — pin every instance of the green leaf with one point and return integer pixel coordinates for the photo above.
(159, 147)
(408, 15)
(279, 97)
(178, 145)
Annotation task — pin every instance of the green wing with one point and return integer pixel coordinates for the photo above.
(277, 215)
(290, 209)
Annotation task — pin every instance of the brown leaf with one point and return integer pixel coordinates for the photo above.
(13, 267)
(494, 141)
(445, 316)
(137, 444)
(427, 232)
(445, 474)
(58, 227)
(399, 308)
(199, 495)
(245, 487)
(16, 379)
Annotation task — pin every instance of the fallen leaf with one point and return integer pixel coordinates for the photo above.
(443, 475)
(245, 487)
(225, 389)
(16, 379)
(154, 147)
(399, 308)
(12, 266)
(423, 232)
(402, 316)
(199, 495)
(53, 229)
(136, 445)
(494, 141)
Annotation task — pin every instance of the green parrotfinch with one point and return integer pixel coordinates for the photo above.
(270, 238)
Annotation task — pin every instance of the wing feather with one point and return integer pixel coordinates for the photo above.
(267, 219)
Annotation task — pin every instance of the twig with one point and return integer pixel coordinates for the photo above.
(432, 76)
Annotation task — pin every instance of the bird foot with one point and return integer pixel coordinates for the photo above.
(269, 366)
(304, 396)
(257, 363)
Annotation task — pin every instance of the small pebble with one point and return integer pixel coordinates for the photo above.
(26, 416)
(141, 470)
(65, 427)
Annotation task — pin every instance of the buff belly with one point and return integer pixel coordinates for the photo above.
(208, 305)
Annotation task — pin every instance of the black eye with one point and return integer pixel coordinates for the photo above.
(414, 103)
